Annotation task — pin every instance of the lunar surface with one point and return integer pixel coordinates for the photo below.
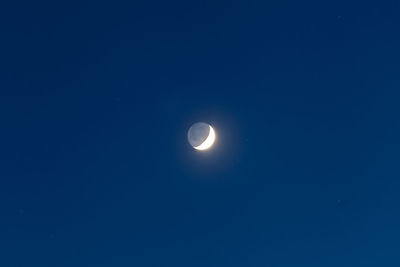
(201, 136)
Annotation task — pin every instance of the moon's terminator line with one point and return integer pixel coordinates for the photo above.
(201, 136)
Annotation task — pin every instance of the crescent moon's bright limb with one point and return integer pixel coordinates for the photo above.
(208, 142)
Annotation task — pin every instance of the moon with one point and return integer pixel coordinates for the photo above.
(201, 136)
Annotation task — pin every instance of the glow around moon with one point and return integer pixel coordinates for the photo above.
(208, 142)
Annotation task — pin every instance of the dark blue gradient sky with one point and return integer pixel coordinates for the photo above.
(96, 99)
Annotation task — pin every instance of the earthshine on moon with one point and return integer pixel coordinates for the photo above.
(201, 136)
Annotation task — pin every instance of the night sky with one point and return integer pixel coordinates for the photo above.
(96, 99)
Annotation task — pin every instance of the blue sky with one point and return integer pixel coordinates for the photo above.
(96, 99)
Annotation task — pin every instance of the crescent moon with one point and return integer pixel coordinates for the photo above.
(208, 142)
